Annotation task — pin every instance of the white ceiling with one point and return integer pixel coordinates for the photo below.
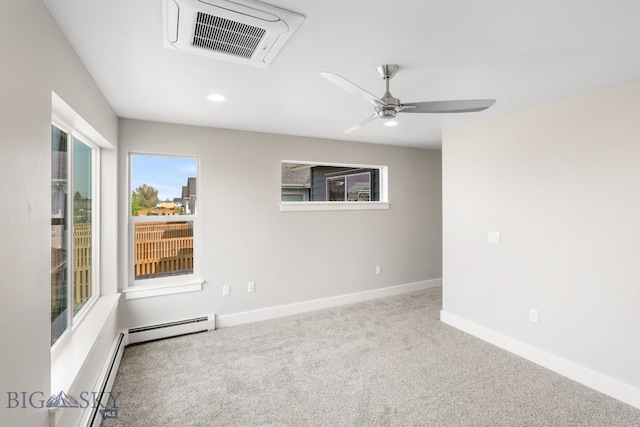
(522, 53)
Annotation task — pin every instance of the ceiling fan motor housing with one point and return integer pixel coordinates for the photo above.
(390, 108)
(387, 113)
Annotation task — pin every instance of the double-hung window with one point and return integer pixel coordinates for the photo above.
(74, 225)
(163, 222)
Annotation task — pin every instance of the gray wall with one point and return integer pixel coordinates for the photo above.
(291, 256)
(36, 59)
(562, 184)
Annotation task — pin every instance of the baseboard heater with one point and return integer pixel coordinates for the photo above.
(171, 329)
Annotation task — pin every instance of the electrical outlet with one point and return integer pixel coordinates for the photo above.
(378, 269)
(533, 315)
(251, 287)
(225, 291)
(493, 237)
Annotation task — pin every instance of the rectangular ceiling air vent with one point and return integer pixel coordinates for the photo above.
(243, 31)
(226, 36)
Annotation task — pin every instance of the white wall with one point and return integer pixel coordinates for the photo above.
(36, 60)
(562, 185)
(291, 256)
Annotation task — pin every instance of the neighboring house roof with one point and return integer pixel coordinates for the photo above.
(296, 176)
(189, 190)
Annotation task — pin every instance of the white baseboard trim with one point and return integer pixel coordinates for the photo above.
(305, 306)
(595, 380)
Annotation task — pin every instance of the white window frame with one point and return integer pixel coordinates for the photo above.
(74, 320)
(76, 344)
(345, 176)
(143, 288)
(311, 205)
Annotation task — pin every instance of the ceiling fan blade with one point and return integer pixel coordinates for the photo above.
(465, 106)
(352, 88)
(362, 123)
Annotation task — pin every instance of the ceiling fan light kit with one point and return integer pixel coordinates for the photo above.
(388, 106)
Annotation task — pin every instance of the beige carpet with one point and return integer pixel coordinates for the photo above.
(387, 362)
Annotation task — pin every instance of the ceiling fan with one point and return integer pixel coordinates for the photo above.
(387, 107)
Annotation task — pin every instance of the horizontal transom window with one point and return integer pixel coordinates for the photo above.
(332, 186)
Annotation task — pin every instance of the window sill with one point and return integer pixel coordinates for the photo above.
(68, 360)
(157, 289)
(332, 206)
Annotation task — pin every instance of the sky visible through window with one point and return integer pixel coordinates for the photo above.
(166, 174)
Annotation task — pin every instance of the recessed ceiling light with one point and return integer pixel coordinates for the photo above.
(215, 97)
(390, 123)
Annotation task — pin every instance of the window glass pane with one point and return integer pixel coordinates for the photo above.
(163, 249)
(335, 189)
(293, 197)
(358, 187)
(322, 182)
(82, 223)
(163, 185)
(296, 182)
(59, 233)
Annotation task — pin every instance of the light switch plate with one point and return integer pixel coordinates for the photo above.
(494, 237)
